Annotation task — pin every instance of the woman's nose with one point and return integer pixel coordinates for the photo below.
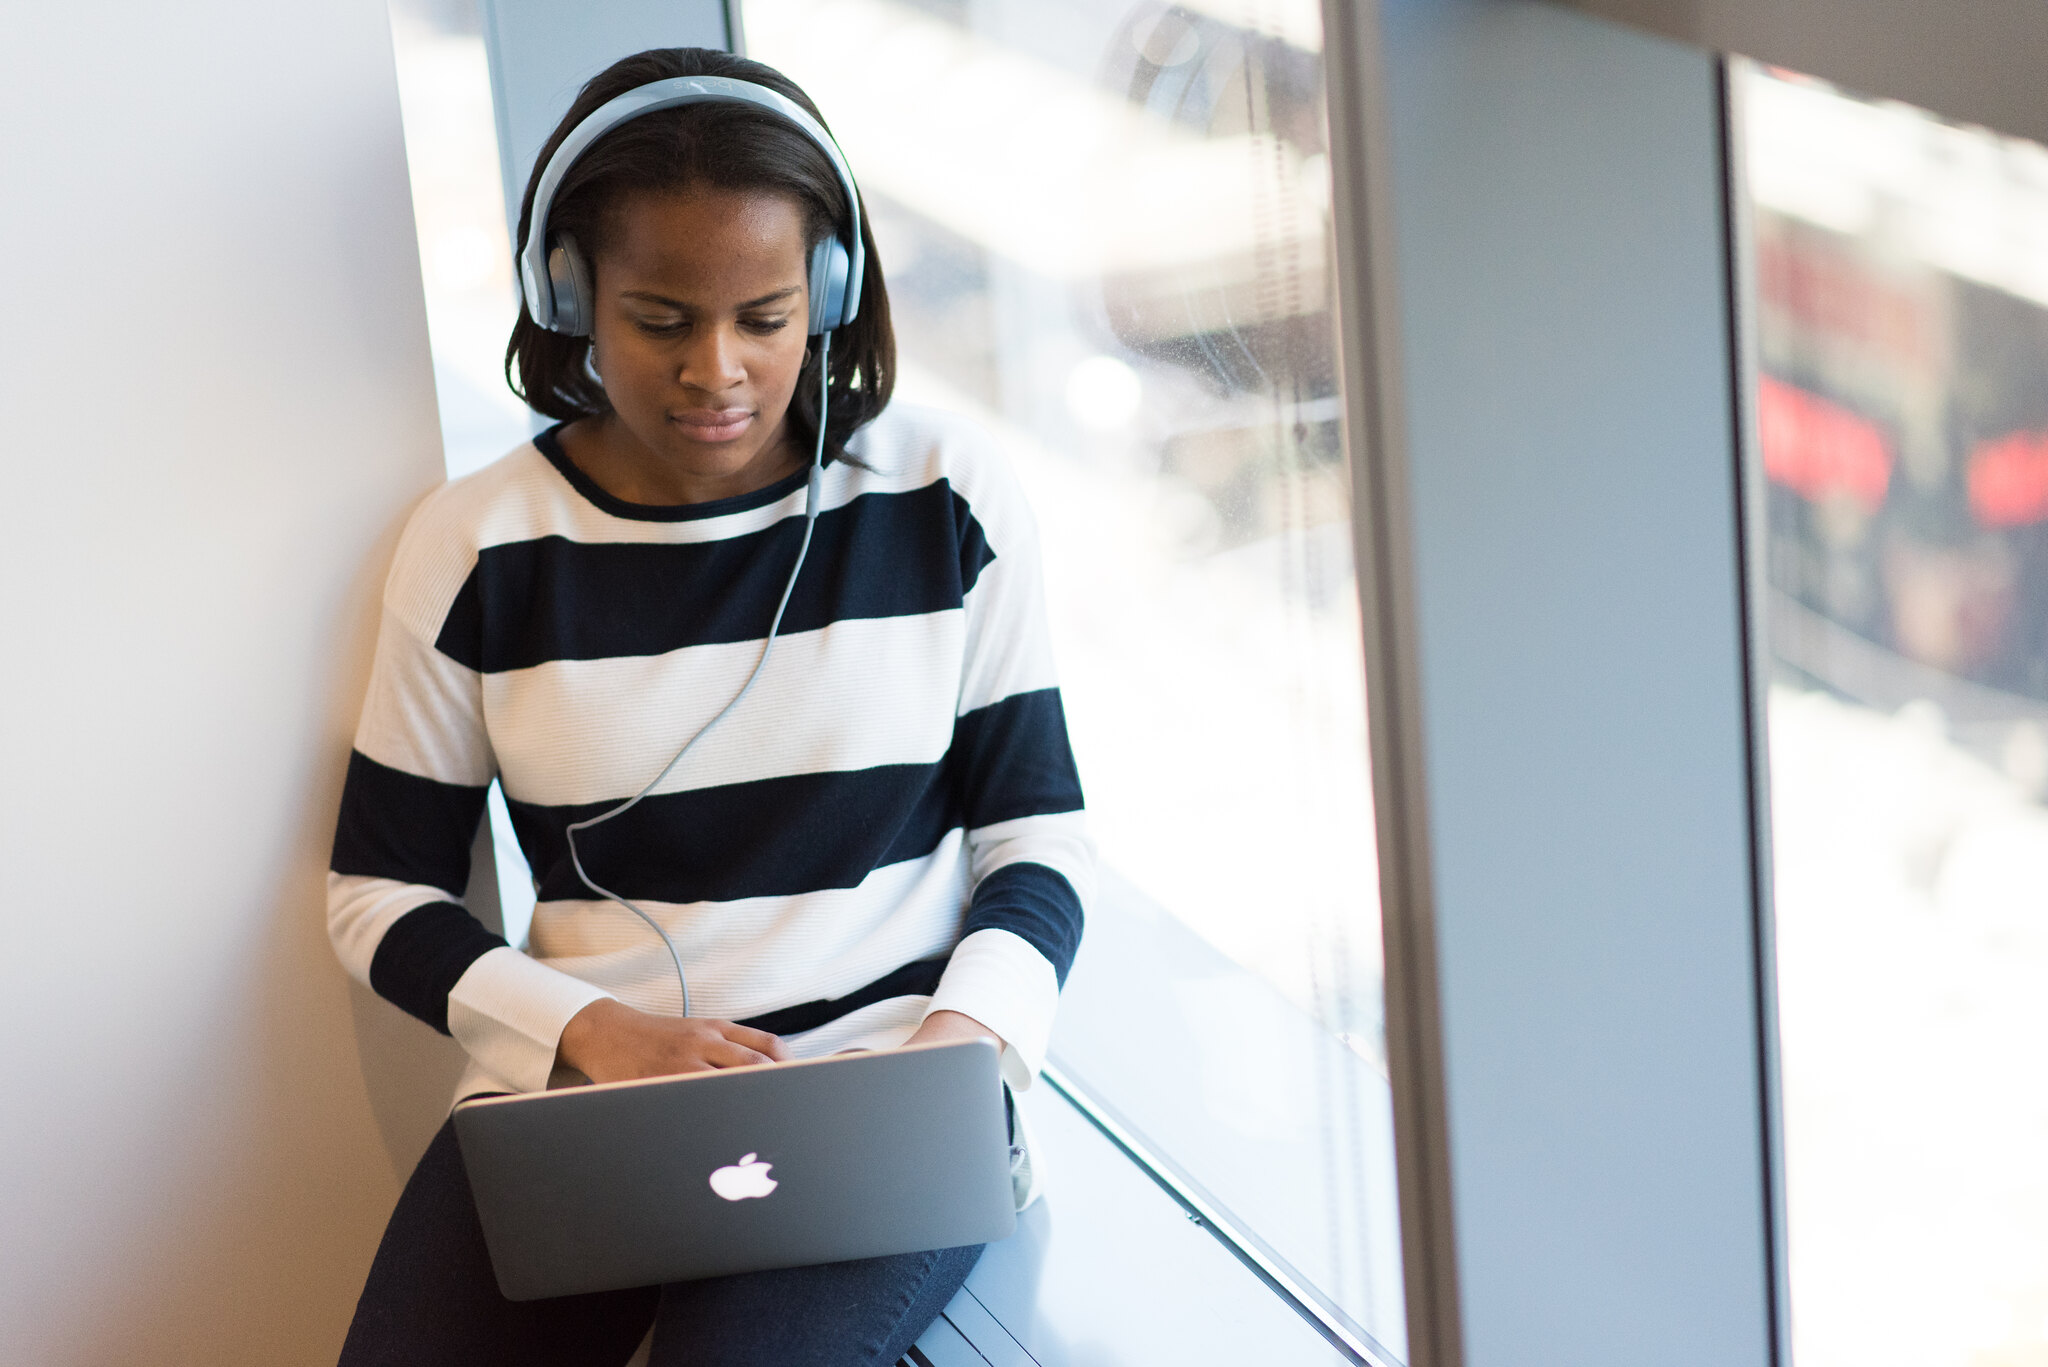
(712, 360)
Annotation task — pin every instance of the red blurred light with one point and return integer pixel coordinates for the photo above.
(1816, 448)
(2008, 479)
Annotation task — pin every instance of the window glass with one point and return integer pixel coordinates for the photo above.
(1901, 315)
(451, 145)
(1106, 233)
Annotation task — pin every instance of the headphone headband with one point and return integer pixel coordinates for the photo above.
(534, 275)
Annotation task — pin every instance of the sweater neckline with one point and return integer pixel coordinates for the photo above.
(549, 444)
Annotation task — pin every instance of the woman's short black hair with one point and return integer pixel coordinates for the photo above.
(727, 146)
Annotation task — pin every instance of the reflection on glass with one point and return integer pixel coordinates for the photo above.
(1106, 231)
(1105, 228)
(1901, 269)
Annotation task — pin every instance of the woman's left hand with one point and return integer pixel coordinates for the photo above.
(944, 1027)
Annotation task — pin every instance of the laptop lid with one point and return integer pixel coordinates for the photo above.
(739, 1170)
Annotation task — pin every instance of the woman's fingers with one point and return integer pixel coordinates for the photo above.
(663, 1047)
(726, 1054)
(760, 1041)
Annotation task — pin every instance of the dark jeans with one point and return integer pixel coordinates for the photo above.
(431, 1301)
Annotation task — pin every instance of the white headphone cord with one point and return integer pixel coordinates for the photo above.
(767, 649)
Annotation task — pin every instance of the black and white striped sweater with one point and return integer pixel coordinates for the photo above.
(891, 822)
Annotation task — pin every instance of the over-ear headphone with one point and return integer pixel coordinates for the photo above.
(553, 273)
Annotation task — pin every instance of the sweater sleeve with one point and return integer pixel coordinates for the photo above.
(1019, 792)
(410, 806)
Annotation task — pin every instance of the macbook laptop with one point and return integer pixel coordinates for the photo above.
(739, 1170)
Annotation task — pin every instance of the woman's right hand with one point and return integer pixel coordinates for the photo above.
(608, 1041)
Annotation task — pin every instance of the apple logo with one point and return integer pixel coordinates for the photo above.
(743, 1180)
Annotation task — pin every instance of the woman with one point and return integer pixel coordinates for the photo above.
(881, 844)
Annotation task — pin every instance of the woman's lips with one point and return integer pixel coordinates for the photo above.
(713, 424)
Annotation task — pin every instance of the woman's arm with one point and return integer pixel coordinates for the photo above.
(1020, 794)
(410, 808)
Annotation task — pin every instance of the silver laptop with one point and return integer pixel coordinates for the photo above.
(635, 1183)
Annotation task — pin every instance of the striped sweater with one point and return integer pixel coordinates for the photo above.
(889, 825)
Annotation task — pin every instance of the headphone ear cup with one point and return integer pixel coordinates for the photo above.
(829, 269)
(569, 282)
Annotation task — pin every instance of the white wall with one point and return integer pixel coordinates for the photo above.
(218, 408)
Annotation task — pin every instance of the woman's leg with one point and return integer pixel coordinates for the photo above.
(432, 1301)
(867, 1311)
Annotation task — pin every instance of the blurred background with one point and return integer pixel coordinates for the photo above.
(1900, 269)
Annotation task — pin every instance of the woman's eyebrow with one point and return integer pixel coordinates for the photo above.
(649, 297)
(782, 293)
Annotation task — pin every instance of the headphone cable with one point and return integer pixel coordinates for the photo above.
(767, 649)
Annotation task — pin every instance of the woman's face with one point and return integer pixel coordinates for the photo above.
(699, 333)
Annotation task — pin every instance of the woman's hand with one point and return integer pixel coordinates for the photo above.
(608, 1041)
(943, 1027)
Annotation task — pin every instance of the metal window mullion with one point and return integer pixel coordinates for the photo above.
(1370, 359)
(1755, 653)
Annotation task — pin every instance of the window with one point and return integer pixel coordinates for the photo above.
(1901, 276)
(1106, 233)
